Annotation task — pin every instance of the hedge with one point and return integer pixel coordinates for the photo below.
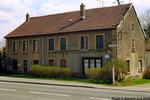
(50, 71)
(104, 74)
(146, 74)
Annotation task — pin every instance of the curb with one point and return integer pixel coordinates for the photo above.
(48, 84)
(39, 83)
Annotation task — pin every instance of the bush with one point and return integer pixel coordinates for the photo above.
(105, 74)
(50, 71)
(146, 74)
(94, 73)
(120, 67)
(98, 75)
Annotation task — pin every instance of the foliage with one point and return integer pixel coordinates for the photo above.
(130, 82)
(3, 62)
(147, 29)
(50, 71)
(94, 75)
(105, 74)
(120, 67)
(146, 74)
(99, 75)
(145, 21)
(0, 60)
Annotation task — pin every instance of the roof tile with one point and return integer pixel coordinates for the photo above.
(98, 18)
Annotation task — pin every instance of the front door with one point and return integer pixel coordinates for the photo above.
(91, 62)
(25, 66)
(15, 65)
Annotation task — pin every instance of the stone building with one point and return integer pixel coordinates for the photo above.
(79, 39)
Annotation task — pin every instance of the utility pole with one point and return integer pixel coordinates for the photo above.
(113, 75)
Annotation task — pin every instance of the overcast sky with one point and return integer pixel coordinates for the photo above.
(12, 12)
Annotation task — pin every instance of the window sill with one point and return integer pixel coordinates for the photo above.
(84, 50)
(100, 49)
(14, 52)
(35, 51)
(140, 70)
(51, 51)
(128, 73)
(25, 52)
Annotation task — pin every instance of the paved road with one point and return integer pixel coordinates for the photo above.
(20, 91)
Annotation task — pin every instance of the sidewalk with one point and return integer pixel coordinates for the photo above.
(137, 88)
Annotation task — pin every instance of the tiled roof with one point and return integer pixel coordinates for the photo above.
(98, 18)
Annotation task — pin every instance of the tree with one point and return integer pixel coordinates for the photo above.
(145, 21)
(0, 60)
(120, 67)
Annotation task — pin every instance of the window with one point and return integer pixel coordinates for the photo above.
(89, 62)
(132, 26)
(51, 44)
(120, 35)
(35, 62)
(86, 65)
(62, 44)
(92, 63)
(140, 65)
(25, 46)
(99, 42)
(128, 65)
(35, 45)
(110, 36)
(51, 62)
(63, 63)
(133, 45)
(14, 46)
(84, 42)
(98, 63)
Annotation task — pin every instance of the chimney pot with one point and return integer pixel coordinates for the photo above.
(27, 17)
(82, 11)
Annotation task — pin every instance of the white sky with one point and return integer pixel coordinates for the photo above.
(12, 12)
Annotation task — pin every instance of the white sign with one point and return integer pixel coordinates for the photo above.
(107, 56)
(113, 45)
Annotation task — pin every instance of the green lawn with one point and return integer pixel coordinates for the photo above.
(131, 82)
(125, 83)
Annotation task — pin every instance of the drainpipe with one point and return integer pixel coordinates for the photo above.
(43, 51)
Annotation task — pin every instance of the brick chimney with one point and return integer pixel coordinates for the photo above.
(27, 17)
(82, 11)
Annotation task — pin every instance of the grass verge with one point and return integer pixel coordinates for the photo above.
(83, 80)
(131, 82)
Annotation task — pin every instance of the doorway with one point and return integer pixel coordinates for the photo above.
(91, 62)
(15, 65)
(25, 66)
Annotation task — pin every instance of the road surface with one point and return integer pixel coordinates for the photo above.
(21, 91)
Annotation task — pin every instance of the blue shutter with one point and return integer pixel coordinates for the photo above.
(82, 42)
(99, 42)
(63, 43)
(51, 44)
